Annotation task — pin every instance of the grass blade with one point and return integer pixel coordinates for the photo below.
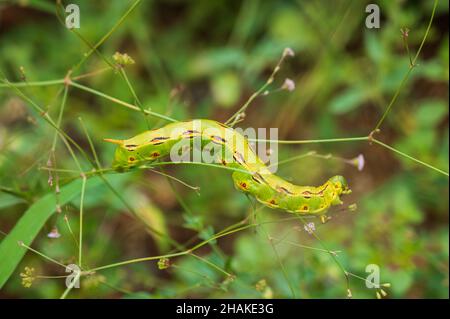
(31, 223)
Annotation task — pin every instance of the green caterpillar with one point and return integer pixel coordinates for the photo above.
(251, 176)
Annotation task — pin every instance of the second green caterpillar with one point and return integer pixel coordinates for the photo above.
(251, 176)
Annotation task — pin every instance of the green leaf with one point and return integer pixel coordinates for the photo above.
(225, 88)
(373, 46)
(194, 222)
(347, 101)
(210, 62)
(430, 113)
(31, 223)
(7, 200)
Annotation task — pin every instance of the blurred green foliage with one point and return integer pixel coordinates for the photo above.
(203, 59)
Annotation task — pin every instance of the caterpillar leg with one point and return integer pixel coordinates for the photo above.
(324, 218)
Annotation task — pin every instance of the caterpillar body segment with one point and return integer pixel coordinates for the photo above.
(229, 148)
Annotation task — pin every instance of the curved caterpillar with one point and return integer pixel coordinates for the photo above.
(252, 175)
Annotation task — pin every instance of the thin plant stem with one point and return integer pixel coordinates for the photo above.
(195, 188)
(235, 117)
(410, 157)
(210, 282)
(426, 32)
(360, 278)
(80, 250)
(280, 262)
(227, 231)
(303, 246)
(332, 254)
(411, 67)
(64, 137)
(206, 261)
(71, 285)
(197, 163)
(53, 82)
(91, 144)
(101, 171)
(105, 37)
(138, 102)
(177, 195)
(63, 170)
(120, 102)
(394, 98)
(111, 66)
(405, 43)
(52, 158)
(51, 277)
(326, 140)
(34, 83)
(41, 254)
(93, 73)
(137, 260)
(132, 210)
(66, 220)
(295, 158)
(60, 116)
(177, 254)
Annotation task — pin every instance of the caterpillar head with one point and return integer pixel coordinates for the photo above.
(340, 185)
(123, 157)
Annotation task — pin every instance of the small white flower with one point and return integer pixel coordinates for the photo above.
(54, 233)
(288, 52)
(360, 162)
(310, 228)
(288, 85)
